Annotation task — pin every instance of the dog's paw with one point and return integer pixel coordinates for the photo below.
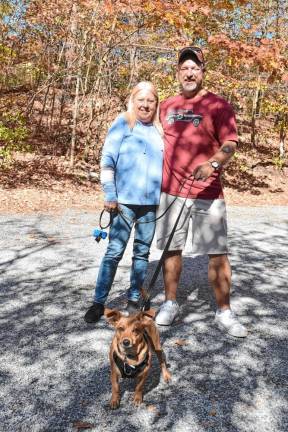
(166, 375)
(114, 403)
(138, 399)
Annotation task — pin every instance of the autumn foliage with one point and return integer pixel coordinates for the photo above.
(67, 67)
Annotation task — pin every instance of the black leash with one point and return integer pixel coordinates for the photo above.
(127, 219)
(145, 303)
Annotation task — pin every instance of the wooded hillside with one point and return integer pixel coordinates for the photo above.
(67, 68)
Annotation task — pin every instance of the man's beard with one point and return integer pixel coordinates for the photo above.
(190, 85)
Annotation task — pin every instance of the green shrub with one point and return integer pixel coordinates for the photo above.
(13, 135)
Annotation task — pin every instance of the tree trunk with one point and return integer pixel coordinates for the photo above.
(43, 107)
(74, 124)
(255, 108)
(282, 136)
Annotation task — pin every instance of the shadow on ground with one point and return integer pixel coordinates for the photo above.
(55, 369)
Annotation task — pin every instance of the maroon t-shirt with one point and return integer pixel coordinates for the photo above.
(194, 129)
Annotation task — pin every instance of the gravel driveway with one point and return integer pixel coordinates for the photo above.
(54, 368)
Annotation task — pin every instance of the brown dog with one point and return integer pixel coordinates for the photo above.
(131, 351)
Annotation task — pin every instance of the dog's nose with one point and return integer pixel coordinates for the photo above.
(126, 342)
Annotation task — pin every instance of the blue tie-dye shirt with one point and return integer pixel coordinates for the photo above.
(135, 156)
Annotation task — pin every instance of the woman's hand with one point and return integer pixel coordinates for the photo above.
(111, 206)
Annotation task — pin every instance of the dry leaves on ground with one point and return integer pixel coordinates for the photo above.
(81, 425)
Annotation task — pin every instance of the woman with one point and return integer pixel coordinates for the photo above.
(131, 174)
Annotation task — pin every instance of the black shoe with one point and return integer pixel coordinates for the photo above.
(132, 307)
(94, 313)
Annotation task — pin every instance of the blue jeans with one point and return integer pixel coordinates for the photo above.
(119, 234)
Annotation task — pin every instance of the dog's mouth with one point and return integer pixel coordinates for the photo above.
(129, 350)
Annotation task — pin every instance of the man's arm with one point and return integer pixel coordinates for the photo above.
(222, 156)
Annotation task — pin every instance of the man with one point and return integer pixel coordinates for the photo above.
(200, 137)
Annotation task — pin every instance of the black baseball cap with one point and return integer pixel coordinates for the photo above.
(190, 52)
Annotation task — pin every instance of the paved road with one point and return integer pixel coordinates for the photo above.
(54, 368)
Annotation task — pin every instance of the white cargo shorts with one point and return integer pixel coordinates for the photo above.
(208, 224)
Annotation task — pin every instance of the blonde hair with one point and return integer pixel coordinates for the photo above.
(130, 113)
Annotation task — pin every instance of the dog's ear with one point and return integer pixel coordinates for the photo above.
(146, 317)
(150, 313)
(112, 315)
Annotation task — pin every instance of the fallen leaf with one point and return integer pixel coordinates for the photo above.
(151, 408)
(181, 342)
(52, 240)
(82, 425)
(213, 413)
(206, 424)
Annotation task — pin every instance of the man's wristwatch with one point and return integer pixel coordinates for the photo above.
(216, 165)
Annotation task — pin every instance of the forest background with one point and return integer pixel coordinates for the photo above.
(67, 68)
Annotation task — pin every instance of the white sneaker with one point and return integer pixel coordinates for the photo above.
(168, 311)
(228, 321)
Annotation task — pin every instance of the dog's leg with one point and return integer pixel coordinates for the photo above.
(162, 361)
(115, 398)
(138, 396)
(156, 345)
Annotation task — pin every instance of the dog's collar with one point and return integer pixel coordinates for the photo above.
(127, 370)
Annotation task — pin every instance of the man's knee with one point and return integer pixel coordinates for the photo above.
(173, 253)
(219, 267)
(173, 262)
(173, 257)
(218, 260)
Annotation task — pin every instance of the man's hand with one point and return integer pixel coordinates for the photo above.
(203, 171)
(222, 156)
(111, 206)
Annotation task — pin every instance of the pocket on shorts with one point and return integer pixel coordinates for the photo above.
(209, 227)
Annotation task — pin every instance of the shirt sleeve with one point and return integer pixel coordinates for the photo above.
(226, 124)
(110, 153)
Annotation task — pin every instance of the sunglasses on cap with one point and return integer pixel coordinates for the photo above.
(190, 50)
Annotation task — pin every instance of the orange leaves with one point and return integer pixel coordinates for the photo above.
(265, 41)
(111, 44)
(206, 11)
(264, 54)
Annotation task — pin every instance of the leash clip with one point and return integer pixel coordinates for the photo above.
(128, 369)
